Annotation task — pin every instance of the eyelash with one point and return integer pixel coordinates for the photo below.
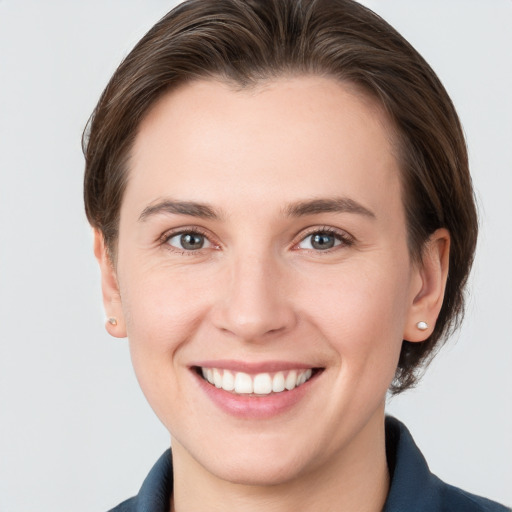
(164, 240)
(344, 238)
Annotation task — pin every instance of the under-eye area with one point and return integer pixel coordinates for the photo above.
(259, 384)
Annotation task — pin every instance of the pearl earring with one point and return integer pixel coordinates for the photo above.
(112, 321)
(422, 326)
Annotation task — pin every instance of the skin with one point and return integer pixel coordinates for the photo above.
(259, 291)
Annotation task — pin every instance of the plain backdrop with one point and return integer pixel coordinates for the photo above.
(75, 431)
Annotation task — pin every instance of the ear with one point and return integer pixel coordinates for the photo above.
(115, 324)
(429, 284)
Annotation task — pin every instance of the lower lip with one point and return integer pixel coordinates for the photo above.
(255, 407)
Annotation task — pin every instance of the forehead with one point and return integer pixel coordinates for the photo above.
(291, 135)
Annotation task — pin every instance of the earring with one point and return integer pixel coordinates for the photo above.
(422, 326)
(112, 321)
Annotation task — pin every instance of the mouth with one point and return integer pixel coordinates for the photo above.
(259, 384)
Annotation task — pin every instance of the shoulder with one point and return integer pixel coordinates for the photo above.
(414, 487)
(126, 506)
(156, 490)
(455, 499)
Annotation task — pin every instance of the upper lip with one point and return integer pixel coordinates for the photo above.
(251, 367)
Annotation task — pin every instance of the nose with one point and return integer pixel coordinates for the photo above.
(254, 303)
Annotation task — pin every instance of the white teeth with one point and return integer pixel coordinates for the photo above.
(260, 384)
(217, 378)
(303, 377)
(243, 383)
(291, 380)
(228, 381)
(278, 382)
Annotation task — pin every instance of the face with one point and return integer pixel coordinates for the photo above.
(264, 278)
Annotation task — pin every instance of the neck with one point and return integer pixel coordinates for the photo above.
(355, 479)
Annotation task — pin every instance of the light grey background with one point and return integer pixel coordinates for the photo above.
(75, 431)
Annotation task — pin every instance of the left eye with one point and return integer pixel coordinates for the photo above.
(189, 241)
(320, 241)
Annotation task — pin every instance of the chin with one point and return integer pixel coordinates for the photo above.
(257, 472)
(258, 464)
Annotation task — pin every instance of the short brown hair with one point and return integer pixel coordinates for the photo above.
(247, 41)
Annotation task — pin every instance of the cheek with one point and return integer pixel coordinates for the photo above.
(161, 302)
(160, 320)
(162, 313)
(362, 314)
(365, 293)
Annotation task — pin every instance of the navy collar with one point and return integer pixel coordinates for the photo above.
(155, 493)
(413, 486)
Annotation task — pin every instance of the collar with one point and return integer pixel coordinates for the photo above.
(414, 487)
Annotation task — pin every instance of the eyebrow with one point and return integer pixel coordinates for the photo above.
(297, 209)
(168, 206)
(327, 205)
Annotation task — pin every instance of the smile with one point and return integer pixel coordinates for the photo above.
(242, 383)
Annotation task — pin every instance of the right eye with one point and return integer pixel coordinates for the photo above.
(189, 241)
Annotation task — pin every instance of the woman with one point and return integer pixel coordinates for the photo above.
(284, 222)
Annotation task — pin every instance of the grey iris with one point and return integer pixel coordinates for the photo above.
(192, 241)
(322, 241)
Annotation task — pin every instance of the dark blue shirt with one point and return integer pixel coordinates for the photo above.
(413, 487)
